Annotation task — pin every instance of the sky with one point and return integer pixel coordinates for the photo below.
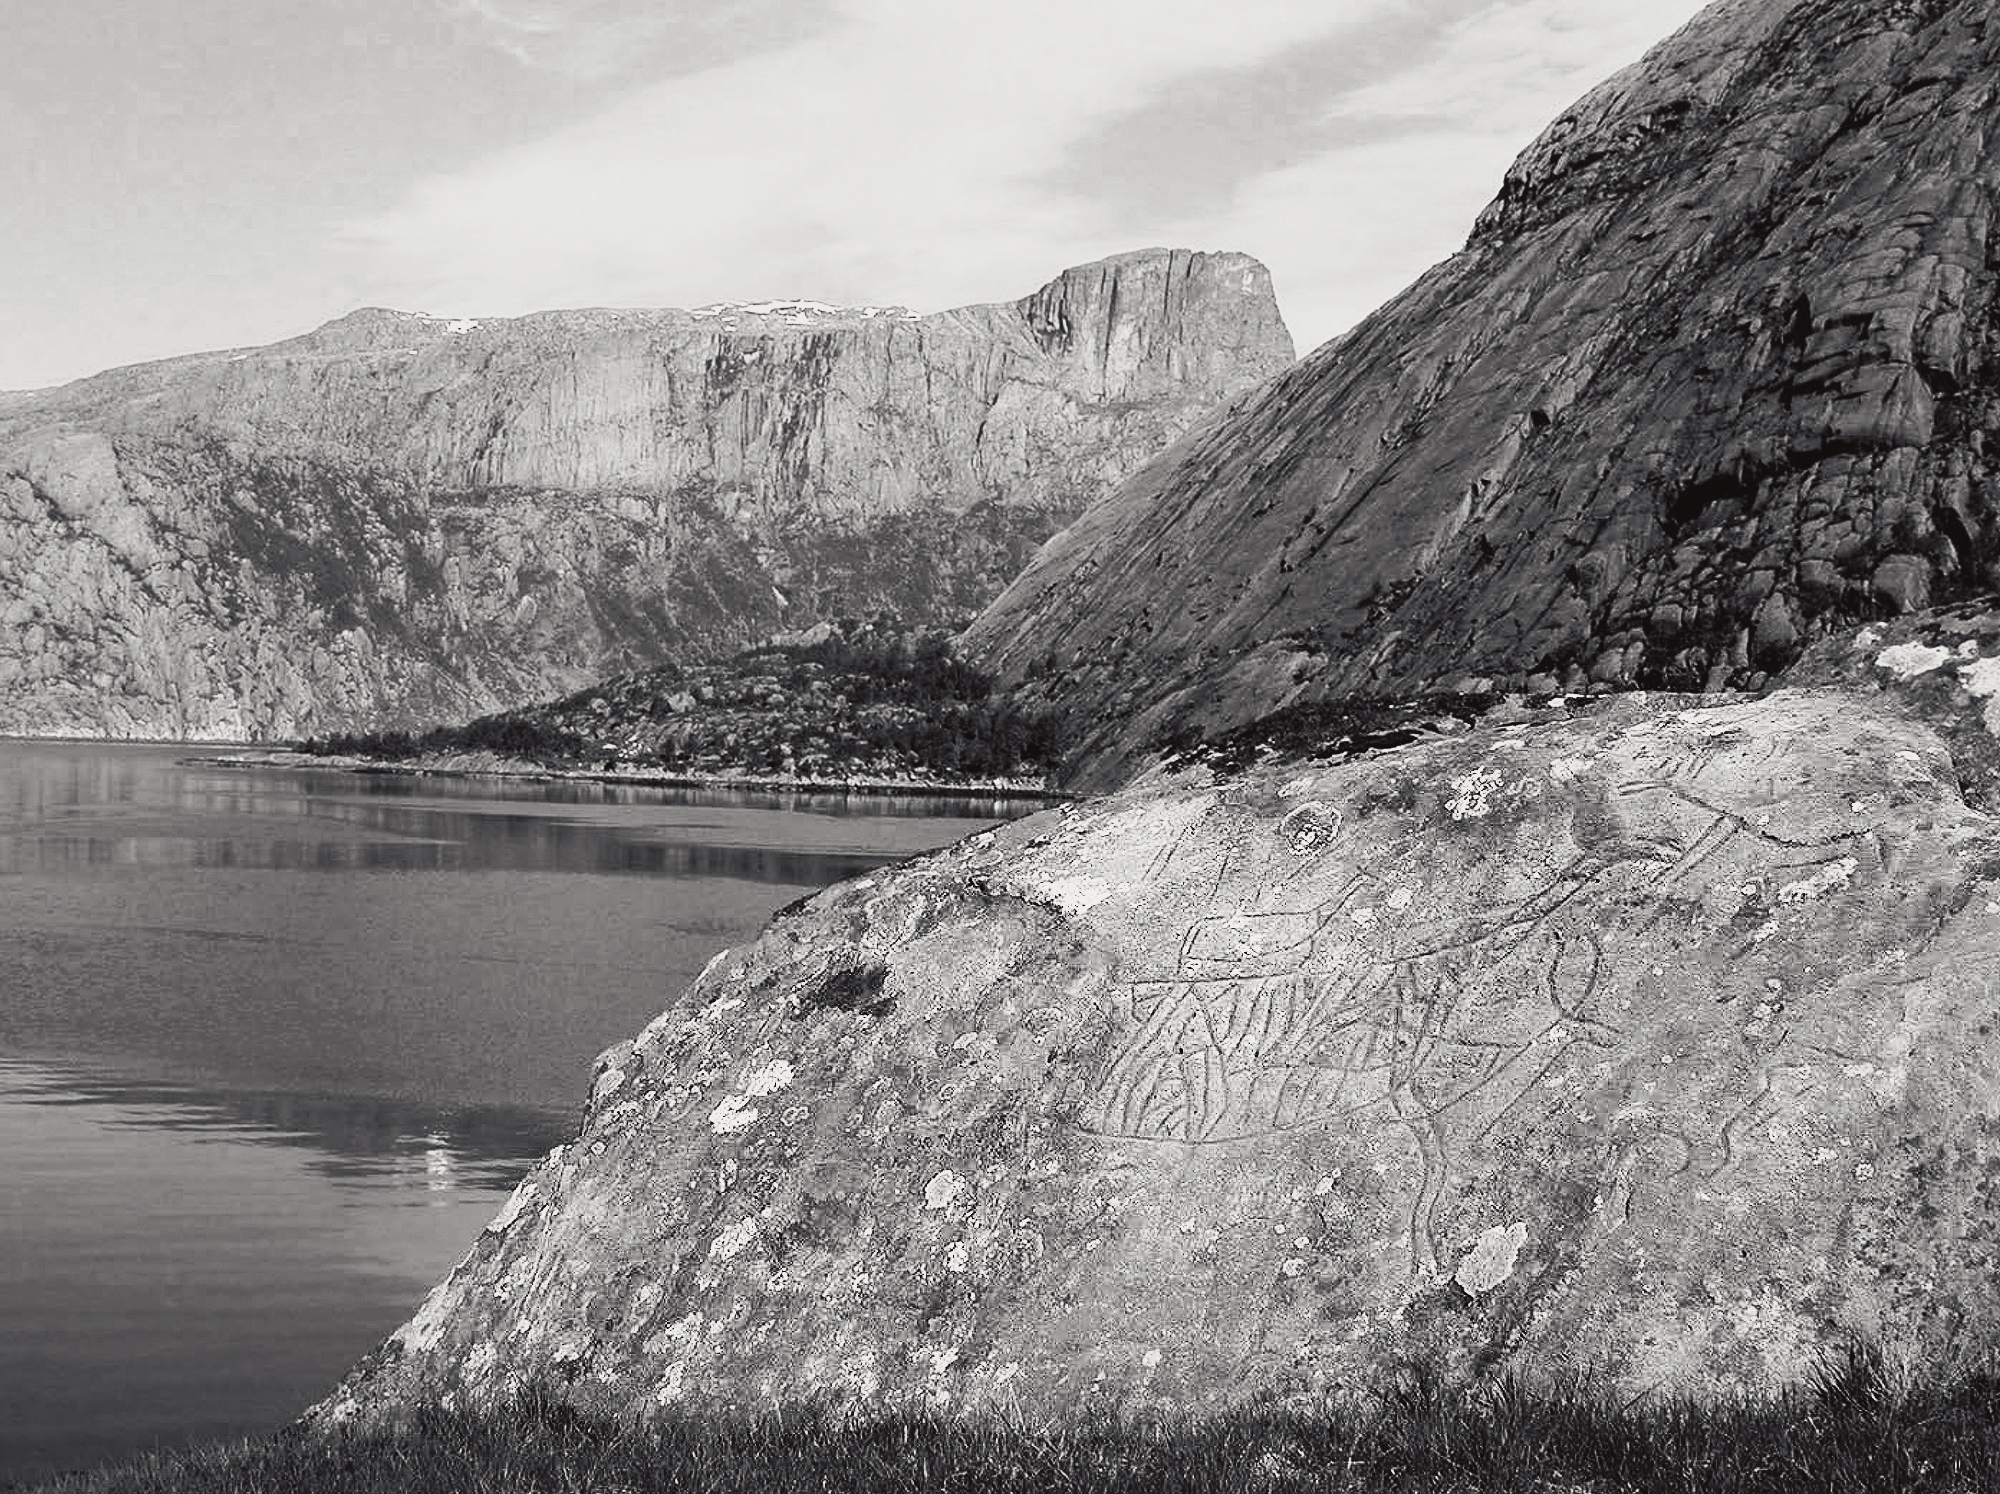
(180, 175)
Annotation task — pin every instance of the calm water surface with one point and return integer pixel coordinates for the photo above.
(274, 1045)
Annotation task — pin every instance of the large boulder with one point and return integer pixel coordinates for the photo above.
(1653, 1040)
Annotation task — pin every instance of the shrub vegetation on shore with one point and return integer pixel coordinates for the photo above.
(865, 699)
(1851, 1432)
(510, 736)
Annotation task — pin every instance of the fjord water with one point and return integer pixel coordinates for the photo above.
(275, 1044)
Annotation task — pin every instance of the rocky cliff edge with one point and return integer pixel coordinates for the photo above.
(403, 518)
(1711, 379)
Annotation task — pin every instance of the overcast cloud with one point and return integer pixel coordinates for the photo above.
(934, 152)
(227, 171)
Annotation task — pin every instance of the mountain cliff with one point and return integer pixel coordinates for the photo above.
(1711, 377)
(400, 518)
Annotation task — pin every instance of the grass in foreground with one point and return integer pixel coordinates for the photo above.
(1851, 1432)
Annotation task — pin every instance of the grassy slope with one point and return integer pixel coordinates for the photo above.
(1851, 1432)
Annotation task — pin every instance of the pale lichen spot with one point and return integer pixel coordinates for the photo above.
(768, 1080)
(1472, 795)
(958, 1258)
(1566, 770)
(941, 1191)
(1400, 899)
(730, 1241)
(1075, 895)
(733, 1114)
(1151, 1359)
(1491, 1259)
(424, 1330)
(511, 1210)
(1310, 827)
(1908, 660)
(1982, 680)
(1293, 1266)
(1835, 874)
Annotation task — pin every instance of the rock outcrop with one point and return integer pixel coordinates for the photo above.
(1647, 1041)
(1652, 1041)
(1711, 379)
(400, 518)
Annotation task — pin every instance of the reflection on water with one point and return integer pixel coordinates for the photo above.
(340, 1136)
(93, 808)
(275, 1044)
(196, 1263)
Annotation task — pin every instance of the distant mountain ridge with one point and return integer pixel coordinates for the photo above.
(1711, 379)
(401, 518)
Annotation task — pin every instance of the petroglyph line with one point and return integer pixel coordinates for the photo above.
(1490, 923)
(1164, 858)
(1743, 822)
(1573, 1008)
(1728, 1133)
(1531, 1090)
(1688, 1148)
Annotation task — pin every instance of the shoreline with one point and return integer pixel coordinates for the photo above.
(491, 765)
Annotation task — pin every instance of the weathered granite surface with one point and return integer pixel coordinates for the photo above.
(398, 518)
(1654, 1040)
(1711, 379)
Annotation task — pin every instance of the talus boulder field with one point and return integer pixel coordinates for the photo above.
(402, 518)
(1652, 1042)
(1711, 378)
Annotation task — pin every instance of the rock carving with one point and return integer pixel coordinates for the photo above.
(1648, 1069)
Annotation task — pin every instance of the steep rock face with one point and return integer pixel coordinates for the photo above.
(1648, 1042)
(398, 517)
(1711, 378)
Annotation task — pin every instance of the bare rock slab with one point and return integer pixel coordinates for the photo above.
(1654, 1043)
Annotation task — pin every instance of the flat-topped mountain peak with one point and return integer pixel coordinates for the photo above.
(400, 518)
